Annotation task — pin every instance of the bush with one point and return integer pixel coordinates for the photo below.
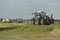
(20, 20)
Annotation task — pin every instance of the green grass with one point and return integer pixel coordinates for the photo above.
(22, 30)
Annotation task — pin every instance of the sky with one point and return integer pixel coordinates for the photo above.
(25, 8)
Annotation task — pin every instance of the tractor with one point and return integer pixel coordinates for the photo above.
(41, 18)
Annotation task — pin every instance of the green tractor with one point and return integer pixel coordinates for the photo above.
(40, 17)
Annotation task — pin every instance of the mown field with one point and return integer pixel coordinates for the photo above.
(23, 31)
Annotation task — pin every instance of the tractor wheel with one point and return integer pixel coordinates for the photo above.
(39, 21)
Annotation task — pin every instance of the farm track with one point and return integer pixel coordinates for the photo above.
(20, 38)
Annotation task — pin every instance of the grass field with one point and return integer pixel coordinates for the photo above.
(18, 31)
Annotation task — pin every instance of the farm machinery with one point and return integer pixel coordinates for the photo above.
(40, 18)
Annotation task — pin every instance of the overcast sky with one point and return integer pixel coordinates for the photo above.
(24, 8)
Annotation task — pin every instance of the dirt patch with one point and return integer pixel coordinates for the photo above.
(55, 32)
